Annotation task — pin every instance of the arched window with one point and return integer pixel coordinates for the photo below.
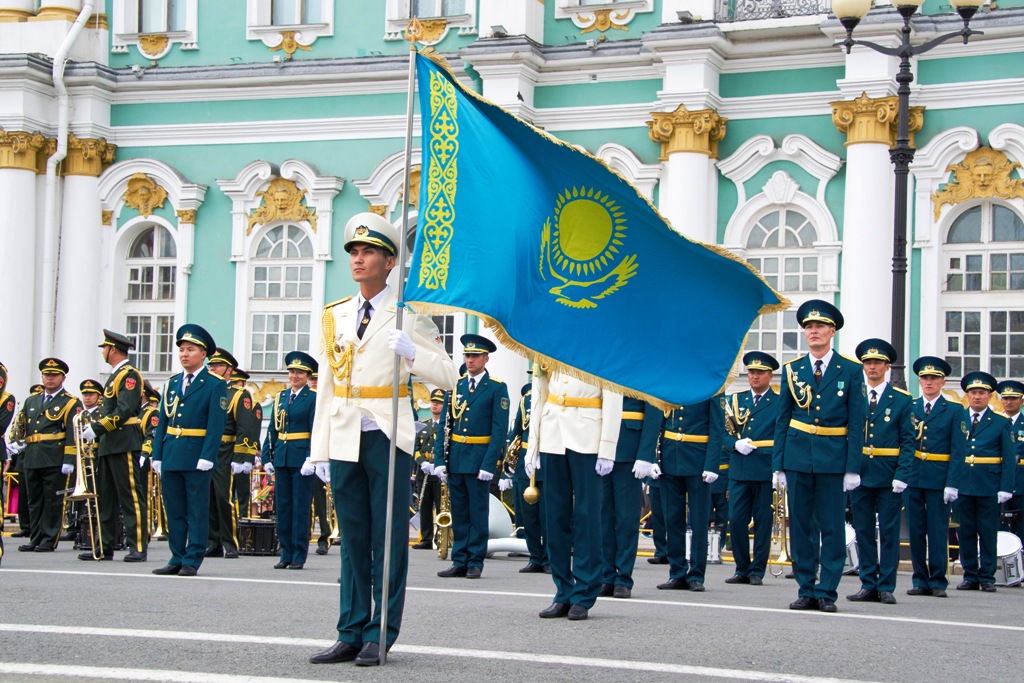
(280, 296)
(983, 311)
(151, 265)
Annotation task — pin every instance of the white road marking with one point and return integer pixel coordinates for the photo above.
(115, 674)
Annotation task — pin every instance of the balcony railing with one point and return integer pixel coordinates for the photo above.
(747, 10)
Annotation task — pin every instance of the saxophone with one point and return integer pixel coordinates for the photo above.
(444, 523)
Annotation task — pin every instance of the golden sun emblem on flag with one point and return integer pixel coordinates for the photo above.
(582, 249)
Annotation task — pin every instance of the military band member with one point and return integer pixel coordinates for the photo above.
(119, 482)
(286, 455)
(242, 466)
(430, 495)
(531, 517)
(7, 404)
(91, 391)
(574, 444)
(934, 479)
(989, 468)
(819, 438)
(750, 443)
(477, 412)
(884, 472)
(1011, 393)
(192, 416)
(47, 454)
(14, 467)
(354, 430)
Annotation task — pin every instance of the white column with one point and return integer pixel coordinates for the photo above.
(684, 194)
(18, 233)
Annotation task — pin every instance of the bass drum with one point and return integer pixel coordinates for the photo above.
(1009, 559)
(852, 559)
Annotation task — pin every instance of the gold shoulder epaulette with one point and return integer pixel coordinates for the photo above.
(339, 301)
(851, 359)
(792, 361)
(902, 391)
(495, 379)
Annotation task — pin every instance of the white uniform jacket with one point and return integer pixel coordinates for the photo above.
(564, 427)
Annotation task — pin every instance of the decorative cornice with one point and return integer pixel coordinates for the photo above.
(88, 156)
(55, 14)
(697, 132)
(14, 15)
(20, 150)
(873, 120)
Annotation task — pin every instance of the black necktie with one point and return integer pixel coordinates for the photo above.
(873, 403)
(757, 397)
(974, 421)
(472, 385)
(46, 398)
(365, 320)
(927, 408)
(188, 383)
(291, 398)
(817, 372)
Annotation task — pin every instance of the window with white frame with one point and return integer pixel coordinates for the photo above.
(311, 19)
(150, 276)
(292, 12)
(281, 296)
(161, 16)
(780, 245)
(459, 15)
(135, 20)
(983, 311)
(430, 9)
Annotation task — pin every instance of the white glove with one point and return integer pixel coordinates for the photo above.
(156, 466)
(745, 446)
(949, 494)
(505, 484)
(709, 477)
(16, 446)
(850, 481)
(142, 461)
(204, 465)
(484, 475)
(307, 468)
(399, 342)
(655, 471)
(246, 467)
(778, 480)
(88, 434)
(269, 468)
(236, 468)
(529, 467)
(67, 469)
(604, 466)
(323, 471)
(642, 469)
(427, 467)
(442, 473)
(1003, 496)
(898, 486)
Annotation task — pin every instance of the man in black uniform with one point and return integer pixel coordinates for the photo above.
(119, 481)
(24, 521)
(241, 467)
(430, 487)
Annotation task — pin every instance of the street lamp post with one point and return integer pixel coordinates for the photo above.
(849, 13)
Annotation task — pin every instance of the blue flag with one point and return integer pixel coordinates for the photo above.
(565, 261)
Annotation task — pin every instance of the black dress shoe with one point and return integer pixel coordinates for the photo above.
(282, 565)
(755, 580)
(473, 572)
(423, 545)
(695, 587)
(555, 610)
(790, 574)
(453, 570)
(886, 598)
(968, 586)
(339, 652)
(917, 590)
(135, 557)
(547, 569)
(578, 613)
(230, 554)
(44, 549)
(622, 592)
(296, 565)
(69, 536)
(321, 549)
(606, 590)
(188, 570)
(939, 593)
(531, 568)
(657, 560)
(89, 558)
(369, 655)
(167, 569)
(737, 578)
(804, 603)
(214, 551)
(826, 605)
(985, 587)
(27, 548)
(673, 585)
(863, 595)
(20, 534)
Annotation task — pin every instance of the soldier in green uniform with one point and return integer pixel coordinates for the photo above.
(47, 454)
(819, 439)
(91, 392)
(245, 458)
(884, 472)
(185, 445)
(116, 426)
(24, 523)
(7, 403)
(989, 461)
(529, 516)
(478, 415)
(430, 495)
(1011, 394)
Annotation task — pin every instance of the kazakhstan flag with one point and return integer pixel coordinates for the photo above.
(566, 261)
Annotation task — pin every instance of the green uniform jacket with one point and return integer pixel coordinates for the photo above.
(7, 403)
(50, 435)
(117, 424)
(241, 428)
(149, 419)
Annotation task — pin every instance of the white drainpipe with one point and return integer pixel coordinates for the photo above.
(51, 221)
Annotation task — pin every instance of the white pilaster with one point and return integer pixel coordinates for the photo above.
(685, 195)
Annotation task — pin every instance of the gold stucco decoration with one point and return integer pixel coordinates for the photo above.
(144, 194)
(604, 20)
(153, 45)
(88, 156)
(268, 390)
(106, 217)
(427, 32)
(985, 172)
(19, 149)
(282, 200)
(379, 209)
(289, 45)
(187, 216)
(873, 120)
(697, 132)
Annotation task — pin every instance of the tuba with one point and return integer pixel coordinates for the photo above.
(779, 531)
(85, 481)
(511, 459)
(19, 427)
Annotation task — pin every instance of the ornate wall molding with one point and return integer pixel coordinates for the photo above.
(984, 173)
(622, 160)
(282, 200)
(144, 194)
(384, 186)
(88, 156)
(687, 131)
(760, 150)
(20, 150)
(873, 120)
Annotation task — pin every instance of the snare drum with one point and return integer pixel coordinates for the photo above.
(1009, 559)
(257, 537)
(852, 559)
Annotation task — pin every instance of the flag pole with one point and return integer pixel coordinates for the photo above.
(393, 447)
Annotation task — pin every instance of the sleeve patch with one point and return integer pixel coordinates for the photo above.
(129, 383)
(10, 405)
(504, 404)
(154, 420)
(223, 402)
(247, 402)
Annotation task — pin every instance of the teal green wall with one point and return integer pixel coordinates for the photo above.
(968, 69)
(749, 84)
(982, 119)
(636, 139)
(820, 129)
(597, 93)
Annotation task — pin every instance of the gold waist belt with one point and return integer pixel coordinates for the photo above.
(872, 451)
(770, 443)
(975, 460)
(686, 438)
(470, 439)
(815, 429)
(178, 431)
(629, 415)
(525, 445)
(36, 438)
(348, 391)
(573, 402)
(294, 436)
(227, 438)
(934, 457)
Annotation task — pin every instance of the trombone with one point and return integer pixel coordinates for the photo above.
(779, 531)
(85, 482)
